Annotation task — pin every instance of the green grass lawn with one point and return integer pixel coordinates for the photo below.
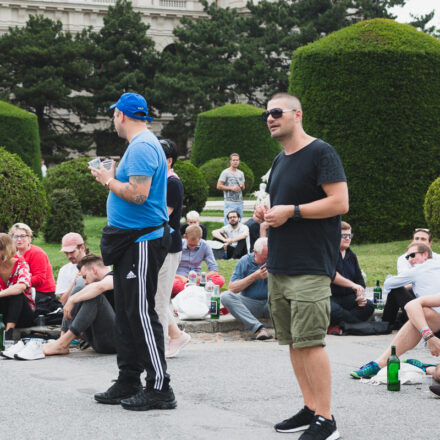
(377, 260)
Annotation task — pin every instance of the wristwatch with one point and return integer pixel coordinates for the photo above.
(296, 213)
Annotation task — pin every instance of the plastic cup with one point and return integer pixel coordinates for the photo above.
(94, 163)
(108, 164)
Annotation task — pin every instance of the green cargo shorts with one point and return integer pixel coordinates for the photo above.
(300, 308)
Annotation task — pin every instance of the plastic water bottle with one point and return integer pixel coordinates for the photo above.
(209, 289)
(215, 303)
(192, 277)
(203, 279)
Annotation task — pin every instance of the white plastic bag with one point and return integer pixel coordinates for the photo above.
(190, 303)
(408, 374)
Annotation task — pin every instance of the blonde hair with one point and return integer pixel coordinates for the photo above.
(23, 226)
(193, 231)
(421, 247)
(345, 226)
(7, 246)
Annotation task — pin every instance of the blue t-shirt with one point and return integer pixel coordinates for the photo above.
(144, 157)
(245, 267)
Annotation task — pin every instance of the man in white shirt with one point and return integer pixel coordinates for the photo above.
(423, 275)
(235, 236)
(74, 248)
(421, 235)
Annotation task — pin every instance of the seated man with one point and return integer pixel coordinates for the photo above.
(246, 299)
(424, 321)
(235, 236)
(424, 276)
(195, 250)
(348, 302)
(89, 313)
(421, 235)
(193, 218)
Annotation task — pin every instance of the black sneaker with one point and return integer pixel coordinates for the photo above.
(321, 429)
(299, 422)
(117, 392)
(147, 399)
(435, 389)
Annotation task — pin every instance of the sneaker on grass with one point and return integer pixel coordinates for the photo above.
(367, 371)
(321, 429)
(298, 422)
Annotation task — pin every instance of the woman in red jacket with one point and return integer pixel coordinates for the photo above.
(41, 270)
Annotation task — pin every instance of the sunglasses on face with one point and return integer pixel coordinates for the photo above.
(276, 113)
(412, 254)
(350, 236)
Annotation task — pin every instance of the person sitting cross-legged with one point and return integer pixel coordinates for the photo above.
(246, 299)
(348, 302)
(89, 312)
(424, 322)
(195, 250)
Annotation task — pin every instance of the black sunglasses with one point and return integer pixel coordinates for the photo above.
(413, 254)
(347, 236)
(276, 113)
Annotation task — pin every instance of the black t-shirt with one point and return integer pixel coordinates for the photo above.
(254, 232)
(175, 200)
(204, 230)
(349, 268)
(304, 246)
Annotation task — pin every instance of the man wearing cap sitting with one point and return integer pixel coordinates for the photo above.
(136, 241)
(74, 248)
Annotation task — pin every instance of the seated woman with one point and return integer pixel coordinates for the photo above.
(348, 302)
(41, 270)
(16, 303)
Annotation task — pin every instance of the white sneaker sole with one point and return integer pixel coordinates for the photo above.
(19, 358)
(334, 436)
(300, 428)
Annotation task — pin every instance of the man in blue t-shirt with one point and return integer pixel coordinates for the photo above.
(247, 296)
(136, 241)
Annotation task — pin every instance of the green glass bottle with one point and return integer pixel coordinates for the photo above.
(215, 303)
(2, 334)
(377, 294)
(393, 367)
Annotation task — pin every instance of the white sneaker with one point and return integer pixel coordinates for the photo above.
(177, 344)
(31, 352)
(11, 351)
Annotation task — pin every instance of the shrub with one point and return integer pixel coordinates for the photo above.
(372, 90)
(22, 196)
(211, 171)
(65, 216)
(432, 207)
(235, 128)
(75, 175)
(19, 135)
(194, 185)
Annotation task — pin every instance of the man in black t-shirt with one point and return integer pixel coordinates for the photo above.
(174, 338)
(308, 193)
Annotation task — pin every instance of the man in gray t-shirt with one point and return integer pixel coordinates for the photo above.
(231, 182)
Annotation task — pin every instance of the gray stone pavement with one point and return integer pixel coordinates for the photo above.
(227, 388)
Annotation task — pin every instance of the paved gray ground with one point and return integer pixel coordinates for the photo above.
(227, 388)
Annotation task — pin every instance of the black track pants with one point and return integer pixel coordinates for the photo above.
(138, 331)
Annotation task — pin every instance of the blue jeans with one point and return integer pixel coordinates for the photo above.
(245, 309)
(232, 206)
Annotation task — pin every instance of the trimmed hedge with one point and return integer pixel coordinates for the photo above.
(372, 90)
(432, 207)
(58, 224)
(212, 169)
(194, 185)
(22, 196)
(75, 175)
(19, 135)
(235, 128)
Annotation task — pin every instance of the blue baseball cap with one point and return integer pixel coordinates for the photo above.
(134, 106)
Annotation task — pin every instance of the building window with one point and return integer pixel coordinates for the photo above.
(174, 4)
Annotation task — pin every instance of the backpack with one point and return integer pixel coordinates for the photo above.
(366, 328)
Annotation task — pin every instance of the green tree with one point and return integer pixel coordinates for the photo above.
(43, 70)
(197, 73)
(124, 61)
(227, 56)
